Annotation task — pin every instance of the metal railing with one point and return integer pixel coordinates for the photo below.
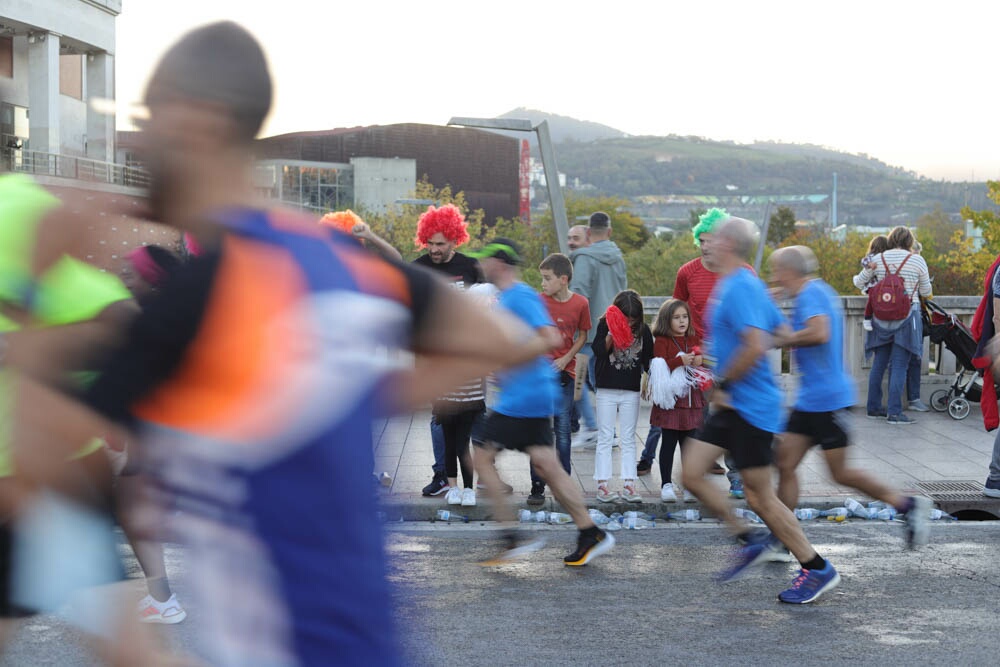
(69, 166)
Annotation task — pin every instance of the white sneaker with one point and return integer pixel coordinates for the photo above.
(689, 497)
(604, 495)
(585, 438)
(468, 498)
(667, 494)
(168, 613)
(454, 496)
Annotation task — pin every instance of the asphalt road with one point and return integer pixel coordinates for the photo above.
(653, 601)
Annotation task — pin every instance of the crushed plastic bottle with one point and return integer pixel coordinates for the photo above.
(639, 515)
(877, 504)
(636, 522)
(559, 518)
(451, 517)
(937, 515)
(685, 515)
(748, 515)
(597, 516)
(856, 509)
(885, 514)
(614, 522)
(806, 513)
(836, 514)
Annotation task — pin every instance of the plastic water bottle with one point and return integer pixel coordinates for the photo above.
(877, 505)
(639, 515)
(836, 514)
(937, 514)
(559, 518)
(856, 509)
(685, 515)
(451, 517)
(886, 514)
(614, 522)
(748, 515)
(636, 522)
(806, 513)
(597, 516)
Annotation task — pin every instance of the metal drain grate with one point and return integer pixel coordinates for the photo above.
(961, 498)
(951, 489)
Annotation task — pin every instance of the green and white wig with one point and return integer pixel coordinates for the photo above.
(707, 222)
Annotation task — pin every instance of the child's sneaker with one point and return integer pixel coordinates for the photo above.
(604, 495)
(667, 493)
(167, 613)
(629, 493)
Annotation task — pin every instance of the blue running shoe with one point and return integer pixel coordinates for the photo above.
(744, 560)
(736, 489)
(810, 584)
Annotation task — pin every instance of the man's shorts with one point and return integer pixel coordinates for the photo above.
(826, 429)
(497, 431)
(749, 446)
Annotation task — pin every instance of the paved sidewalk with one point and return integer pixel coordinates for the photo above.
(937, 447)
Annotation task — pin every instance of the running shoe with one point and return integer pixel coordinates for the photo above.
(589, 546)
(875, 415)
(604, 495)
(744, 560)
(919, 406)
(667, 494)
(643, 467)
(991, 489)
(468, 497)
(918, 522)
(437, 486)
(454, 496)
(166, 613)
(514, 547)
(810, 584)
(587, 437)
(537, 495)
(736, 489)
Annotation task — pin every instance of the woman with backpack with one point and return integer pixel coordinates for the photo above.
(897, 332)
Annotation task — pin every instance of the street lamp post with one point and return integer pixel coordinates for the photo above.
(541, 130)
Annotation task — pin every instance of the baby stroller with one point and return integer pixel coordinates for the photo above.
(946, 329)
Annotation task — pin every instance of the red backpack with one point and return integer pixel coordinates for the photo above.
(888, 298)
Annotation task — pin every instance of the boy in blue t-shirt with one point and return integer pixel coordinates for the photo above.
(826, 391)
(521, 420)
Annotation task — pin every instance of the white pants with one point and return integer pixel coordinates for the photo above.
(621, 405)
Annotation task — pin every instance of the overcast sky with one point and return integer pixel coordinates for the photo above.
(911, 83)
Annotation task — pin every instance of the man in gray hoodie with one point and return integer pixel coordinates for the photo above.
(598, 275)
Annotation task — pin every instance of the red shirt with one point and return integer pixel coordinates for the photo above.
(570, 316)
(694, 285)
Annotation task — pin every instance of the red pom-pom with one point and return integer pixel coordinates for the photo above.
(696, 350)
(447, 220)
(618, 326)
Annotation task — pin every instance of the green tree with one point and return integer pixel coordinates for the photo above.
(781, 225)
(627, 229)
(694, 214)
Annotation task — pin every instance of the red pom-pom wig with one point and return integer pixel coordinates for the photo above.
(342, 220)
(447, 220)
(619, 328)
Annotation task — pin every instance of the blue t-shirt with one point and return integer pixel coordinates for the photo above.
(739, 302)
(825, 385)
(528, 390)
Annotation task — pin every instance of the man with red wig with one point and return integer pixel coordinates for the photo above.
(440, 231)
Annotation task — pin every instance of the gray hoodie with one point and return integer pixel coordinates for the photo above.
(598, 275)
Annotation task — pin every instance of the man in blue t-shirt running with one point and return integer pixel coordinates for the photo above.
(825, 391)
(747, 412)
(521, 420)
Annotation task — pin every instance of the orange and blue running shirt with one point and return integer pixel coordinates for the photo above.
(254, 378)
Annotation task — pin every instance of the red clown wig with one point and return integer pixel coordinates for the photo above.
(447, 220)
(342, 220)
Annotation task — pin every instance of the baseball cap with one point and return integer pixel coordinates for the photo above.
(504, 249)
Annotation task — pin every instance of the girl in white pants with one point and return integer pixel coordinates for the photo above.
(622, 351)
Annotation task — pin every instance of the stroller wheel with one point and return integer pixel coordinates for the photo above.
(959, 408)
(940, 400)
